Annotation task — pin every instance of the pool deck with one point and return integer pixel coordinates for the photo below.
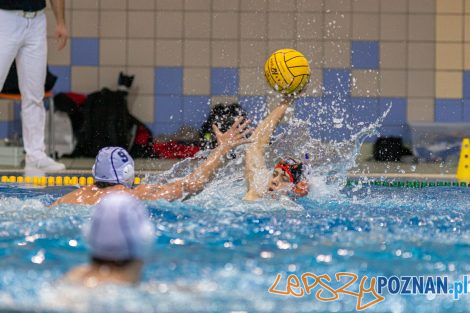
(366, 167)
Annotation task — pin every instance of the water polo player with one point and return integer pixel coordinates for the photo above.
(114, 171)
(288, 175)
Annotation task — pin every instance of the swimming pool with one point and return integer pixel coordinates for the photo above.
(223, 255)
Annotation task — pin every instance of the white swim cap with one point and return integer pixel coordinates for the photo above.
(120, 228)
(114, 165)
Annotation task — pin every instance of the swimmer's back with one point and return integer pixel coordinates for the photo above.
(89, 194)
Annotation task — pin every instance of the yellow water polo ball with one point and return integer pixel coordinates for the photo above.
(287, 71)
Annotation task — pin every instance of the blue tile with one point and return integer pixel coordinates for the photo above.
(365, 54)
(255, 107)
(322, 119)
(225, 81)
(402, 131)
(195, 110)
(466, 84)
(169, 109)
(397, 114)
(306, 108)
(85, 51)
(466, 110)
(165, 128)
(337, 82)
(5, 128)
(363, 112)
(63, 78)
(448, 110)
(169, 81)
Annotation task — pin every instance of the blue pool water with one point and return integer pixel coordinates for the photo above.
(223, 255)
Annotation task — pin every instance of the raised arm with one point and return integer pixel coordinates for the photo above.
(195, 182)
(58, 7)
(254, 160)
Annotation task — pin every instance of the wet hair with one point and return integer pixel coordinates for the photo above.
(293, 169)
(102, 262)
(102, 184)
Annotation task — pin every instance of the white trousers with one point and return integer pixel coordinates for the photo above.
(25, 39)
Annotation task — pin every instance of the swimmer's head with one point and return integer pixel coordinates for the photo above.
(120, 229)
(288, 176)
(115, 166)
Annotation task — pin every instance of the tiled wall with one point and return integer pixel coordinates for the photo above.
(364, 54)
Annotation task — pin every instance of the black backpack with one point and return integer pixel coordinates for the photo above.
(390, 149)
(223, 115)
(106, 122)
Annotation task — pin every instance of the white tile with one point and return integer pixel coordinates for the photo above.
(141, 24)
(253, 53)
(84, 23)
(337, 26)
(253, 5)
(84, 79)
(282, 5)
(113, 24)
(197, 5)
(169, 52)
(143, 80)
(141, 4)
(252, 81)
(196, 53)
(225, 25)
(338, 5)
(337, 54)
(170, 5)
(113, 52)
(196, 81)
(226, 5)
(281, 25)
(366, 6)
(309, 26)
(253, 25)
(140, 52)
(169, 24)
(142, 107)
(197, 25)
(225, 53)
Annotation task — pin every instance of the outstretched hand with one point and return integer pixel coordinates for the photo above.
(236, 135)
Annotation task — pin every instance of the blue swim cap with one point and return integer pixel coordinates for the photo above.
(114, 165)
(120, 228)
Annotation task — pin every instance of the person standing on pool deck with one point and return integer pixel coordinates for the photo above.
(288, 175)
(114, 171)
(23, 36)
(118, 235)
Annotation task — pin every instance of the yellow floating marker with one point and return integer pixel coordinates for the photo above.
(43, 181)
(59, 181)
(89, 181)
(137, 181)
(27, 180)
(50, 181)
(74, 180)
(20, 179)
(66, 181)
(82, 181)
(36, 180)
(12, 179)
(4, 179)
(463, 171)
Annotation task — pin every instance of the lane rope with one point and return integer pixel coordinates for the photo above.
(54, 180)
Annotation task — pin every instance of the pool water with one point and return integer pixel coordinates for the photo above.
(224, 255)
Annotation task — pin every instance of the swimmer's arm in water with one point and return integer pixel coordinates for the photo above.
(195, 182)
(254, 160)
